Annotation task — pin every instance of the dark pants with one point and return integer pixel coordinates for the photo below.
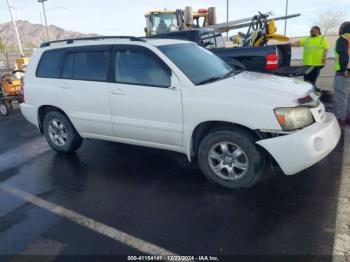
(342, 97)
(313, 75)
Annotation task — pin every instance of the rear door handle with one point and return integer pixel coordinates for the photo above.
(118, 91)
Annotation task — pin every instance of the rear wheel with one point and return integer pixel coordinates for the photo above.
(230, 159)
(60, 133)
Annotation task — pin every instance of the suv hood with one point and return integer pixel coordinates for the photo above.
(264, 87)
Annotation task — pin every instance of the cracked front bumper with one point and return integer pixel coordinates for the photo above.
(302, 149)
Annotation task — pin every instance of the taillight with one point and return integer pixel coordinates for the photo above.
(272, 62)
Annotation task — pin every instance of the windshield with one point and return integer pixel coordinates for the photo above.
(198, 64)
(163, 22)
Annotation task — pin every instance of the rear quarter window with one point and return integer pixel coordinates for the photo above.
(50, 64)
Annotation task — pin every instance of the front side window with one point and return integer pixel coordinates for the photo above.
(50, 64)
(140, 68)
(208, 40)
(212, 40)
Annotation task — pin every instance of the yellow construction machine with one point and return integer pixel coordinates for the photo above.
(261, 28)
(165, 21)
(11, 86)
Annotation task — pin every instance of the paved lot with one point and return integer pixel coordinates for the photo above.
(132, 201)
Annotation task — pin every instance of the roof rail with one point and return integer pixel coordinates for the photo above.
(71, 41)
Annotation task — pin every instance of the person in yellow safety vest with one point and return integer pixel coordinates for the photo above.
(342, 76)
(315, 53)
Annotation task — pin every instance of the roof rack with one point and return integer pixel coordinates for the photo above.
(71, 41)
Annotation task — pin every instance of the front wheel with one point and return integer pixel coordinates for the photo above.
(4, 110)
(230, 159)
(60, 133)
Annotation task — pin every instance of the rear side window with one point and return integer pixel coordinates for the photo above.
(90, 65)
(50, 64)
(67, 71)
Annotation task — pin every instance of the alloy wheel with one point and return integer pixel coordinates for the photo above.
(228, 161)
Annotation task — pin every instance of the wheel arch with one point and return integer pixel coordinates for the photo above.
(43, 110)
(204, 128)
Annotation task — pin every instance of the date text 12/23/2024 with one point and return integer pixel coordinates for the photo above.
(173, 258)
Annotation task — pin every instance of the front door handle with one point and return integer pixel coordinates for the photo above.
(118, 91)
(65, 87)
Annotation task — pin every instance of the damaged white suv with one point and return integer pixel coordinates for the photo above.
(175, 95)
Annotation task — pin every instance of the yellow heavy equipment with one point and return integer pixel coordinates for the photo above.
(262, 28)
(11, 86)
(164, 21)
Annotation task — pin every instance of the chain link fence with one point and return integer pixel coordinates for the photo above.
(8, 59)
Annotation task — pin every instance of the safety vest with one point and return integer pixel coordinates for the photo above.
(309, 46)
(337, 63)
(313, 51)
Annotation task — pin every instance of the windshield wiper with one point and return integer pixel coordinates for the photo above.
(216, 78)
(232, 73)
(209, 80)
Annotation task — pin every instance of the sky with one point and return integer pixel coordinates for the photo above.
(126, 17)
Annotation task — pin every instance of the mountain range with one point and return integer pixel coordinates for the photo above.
(32, 35)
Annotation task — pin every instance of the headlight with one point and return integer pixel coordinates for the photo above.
(294, 118)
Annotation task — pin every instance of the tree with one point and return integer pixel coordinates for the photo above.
(2, 46)
(330, 20)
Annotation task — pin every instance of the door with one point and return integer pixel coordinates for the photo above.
(83, 92)
(145, 99)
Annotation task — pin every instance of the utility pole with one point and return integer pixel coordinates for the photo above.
(42, 32)
(7, 58)
(227, 13)
(16, 30)
(285, 21)
(44, 12)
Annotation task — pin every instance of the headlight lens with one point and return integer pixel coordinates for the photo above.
(294, 118)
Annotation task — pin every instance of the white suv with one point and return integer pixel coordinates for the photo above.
(175, 95)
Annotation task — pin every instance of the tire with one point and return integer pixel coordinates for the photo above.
(4, 110)
(60, 133)
(239, 165)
